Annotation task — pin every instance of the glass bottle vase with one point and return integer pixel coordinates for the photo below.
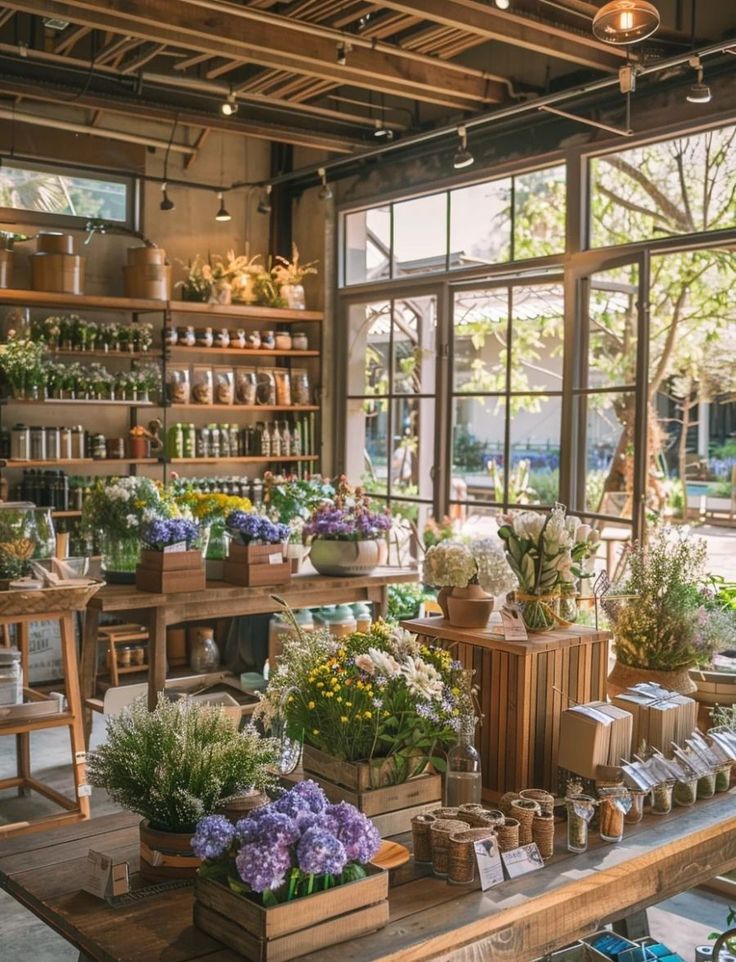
(463, 780)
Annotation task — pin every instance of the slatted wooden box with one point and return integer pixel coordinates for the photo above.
(291, 929)
(257, 565)
(391, 807)
(524, 687)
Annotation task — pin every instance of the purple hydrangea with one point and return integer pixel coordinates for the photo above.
(305, 796)
(358, 523)
(163, 532)
(320, 853)
(213, 837)
(263, 865)
(357, 833)
(251, 528)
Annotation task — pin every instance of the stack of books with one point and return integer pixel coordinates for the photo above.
(592, 737)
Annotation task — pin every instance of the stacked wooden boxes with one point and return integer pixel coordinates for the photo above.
(147, 274)
(170, 571)
(55, 267)
(257, 565)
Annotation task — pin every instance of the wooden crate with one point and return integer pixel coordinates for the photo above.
(291, 929)
(256, 575)
(171, 560)
(524, 687)
(164, 582)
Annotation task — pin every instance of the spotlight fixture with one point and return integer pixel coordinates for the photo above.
(166, 202)
(230, 106)
(381, 131)
(625, 21)
(503, 4)
(325, 191)
(222, 214)
(699, 92)
(343, 49)
(264, 201)
(463, 157)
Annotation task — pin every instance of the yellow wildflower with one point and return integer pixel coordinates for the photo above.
(310, 705)
(344, 719)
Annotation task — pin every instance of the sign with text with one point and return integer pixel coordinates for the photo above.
(488, 862)
(522, 860)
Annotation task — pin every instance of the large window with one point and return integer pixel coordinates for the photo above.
(47, 195)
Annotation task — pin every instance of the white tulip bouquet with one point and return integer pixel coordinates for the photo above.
(546, 552)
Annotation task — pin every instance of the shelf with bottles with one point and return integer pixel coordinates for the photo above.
(286, 408)
(198, 351)
(74, 462)
(80, 302)
(247, 459)
(265, 442)
(93, 402)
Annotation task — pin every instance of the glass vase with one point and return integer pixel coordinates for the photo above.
(463, 776)
(293, 294)
(568, 605)
(119, 557)
(536, 615)
(216, 549)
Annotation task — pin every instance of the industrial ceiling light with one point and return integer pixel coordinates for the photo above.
(264, 202)
(230, 106)
(381, 131)
(699, 92)
(503, 4)
(222, 214)
(463, 157)
(325, 191)
(55, 23)
(166, 202)
(625, 21)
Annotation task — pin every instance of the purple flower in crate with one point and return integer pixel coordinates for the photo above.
(357, 833)
(320, 853)
(305, 796)
(251, 528)
(163, 532)
(213, 837)
(263, 865)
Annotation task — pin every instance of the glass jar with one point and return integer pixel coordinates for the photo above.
(636, 812)
(463, 776)
(119, 557)
(11, 677)
(568, 604)
(613, 803)
(282, 341)
(723, 777)
(662, 798)
(205, 655)
(43, 520)
(300, 393)
(580, 810)
(20, 443)
(685, 793)
(299, 341)
(707, 785)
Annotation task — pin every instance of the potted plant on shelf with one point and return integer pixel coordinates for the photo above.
(271, 882)
(469, 577)
(348, 537)
(22, 363)
(173, 766)
(243, 271)
(666, 622)
(171, 559)
(545, 552)
(197, 285)
(289, 276)
(257, 553)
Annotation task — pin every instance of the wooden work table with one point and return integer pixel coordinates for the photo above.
(430, 920)
(219, 600)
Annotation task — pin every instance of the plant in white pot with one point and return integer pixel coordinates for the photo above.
(469, 577)
(348, 537)
(173, 766)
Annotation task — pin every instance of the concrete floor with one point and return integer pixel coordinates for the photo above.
(681, 922)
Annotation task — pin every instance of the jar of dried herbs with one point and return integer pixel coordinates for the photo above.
(662, 798)
(723, 777)
(580, 809)
(636, 812)
(613, 804)
(685, 792)
(707, 785)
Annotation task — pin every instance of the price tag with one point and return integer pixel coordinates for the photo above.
(512, 626)
(488, 860)
(175, 548)
(521, 861)
(275, 559)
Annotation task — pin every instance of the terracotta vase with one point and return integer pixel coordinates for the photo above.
(623, 677)
(469, 607)
(442, 595)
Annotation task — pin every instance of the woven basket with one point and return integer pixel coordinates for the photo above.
(421, 831)
(545, 801)
(441, 831)
(543, 833)
(506, 800)
(42, 601)
(524, 809)
(461, 862)
(508, 835)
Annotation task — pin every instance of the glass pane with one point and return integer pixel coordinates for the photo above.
(539, 213)
(537, 337)
(366, 443)
(24, 188)
(673, 187)
(367, 245)
(480, 320)
(414, 339)
(412, 447)
(480, 224)
(613, 321)
(609, 457)
(478, 428)
(535, 450)
(420, 235)
(369, 346)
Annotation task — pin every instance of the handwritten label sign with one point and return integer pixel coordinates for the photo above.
(522, 860)
(512, 626)
(488, 861)
(106, 876)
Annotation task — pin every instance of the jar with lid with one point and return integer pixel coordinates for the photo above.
(98, 447)
(300, 393)
(362, 613)
(205, 655)
(340, 620)
(38, 444)
(78, 442)
(52, 444)
(65, 444)
(11, 677)
(204, 337)
(282, 341)
(20, 443)
(299, 341)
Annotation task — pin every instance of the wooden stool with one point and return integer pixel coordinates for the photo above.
(74, 810)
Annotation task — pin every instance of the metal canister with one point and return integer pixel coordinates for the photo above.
(52, 444)
(78, 442)
(38, 444)
(65, 444)
(20, 443)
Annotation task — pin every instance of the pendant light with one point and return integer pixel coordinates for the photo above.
(264, 202)
(625, 21)
(699, 92)
(222, 214)
(463, 157)
(325, 191)
(166, 202)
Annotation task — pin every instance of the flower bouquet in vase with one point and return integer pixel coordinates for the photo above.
(257, 554)
(469, 577)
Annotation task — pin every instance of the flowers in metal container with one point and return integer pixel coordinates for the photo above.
(293, 847)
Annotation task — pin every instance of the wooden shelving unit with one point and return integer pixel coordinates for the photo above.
(245, 459)
(245, 312)
(298, 408)
(75, 462)
(176, 350)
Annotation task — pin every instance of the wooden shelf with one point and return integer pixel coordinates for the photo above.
(243, 407)
(175, 350)
(246, 312)
(244, 459)
(111, 355)
(74, 462)
(49, 401)
(80, 302)
(66, 514)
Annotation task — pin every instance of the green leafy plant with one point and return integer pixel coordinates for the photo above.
(178, 763)
(730, 923)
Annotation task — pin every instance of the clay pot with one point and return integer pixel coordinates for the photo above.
(469, 607)
(623, 677)
(347, 557)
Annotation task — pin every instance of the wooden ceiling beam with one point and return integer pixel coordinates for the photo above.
(69, 38)
(194, 61)
(149, 52)
(224, 30)
(491, 23)
(217, 71)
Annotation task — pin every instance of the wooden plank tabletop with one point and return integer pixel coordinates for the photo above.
(519, 920)
(490, 637)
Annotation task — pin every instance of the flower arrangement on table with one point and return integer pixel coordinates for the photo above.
(210, 509)
(257, 550)
(296, 846)
(469, 575)
(247, 528)
(287, 497)
(161, 533)
(546, 553)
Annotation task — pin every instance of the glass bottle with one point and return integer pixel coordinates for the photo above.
(285, 440)
(205, 655)
(266, 441)
(275, 440)
(463, 780)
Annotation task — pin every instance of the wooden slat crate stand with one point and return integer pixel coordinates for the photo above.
(166, 572)
(256, 565)
(524, 686)
(294, 928)
(390, 806)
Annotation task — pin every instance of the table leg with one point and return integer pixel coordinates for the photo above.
(23, 740)
(634, 926)
(156, 655)
(74, 703)
(89, 665)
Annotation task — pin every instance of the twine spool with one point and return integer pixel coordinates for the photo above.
(421, 831)
(461, 859)
(508, 835)
(543, 833)
(524, 810)
(441, 830)
(506, 800)
(545, 801)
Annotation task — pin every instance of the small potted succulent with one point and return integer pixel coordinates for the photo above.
(257, 554)
(173, 766)
(469, 577)
(171, 558)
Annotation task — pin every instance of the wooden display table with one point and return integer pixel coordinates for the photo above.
(524, 686)
(219, 600)
(429, 920)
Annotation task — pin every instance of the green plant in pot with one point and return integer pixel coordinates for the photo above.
(666, 620)
(173, 766)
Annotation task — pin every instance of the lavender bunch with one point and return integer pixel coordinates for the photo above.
(293, 847)
(250, 528)
(356, 523)
(161, 533)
